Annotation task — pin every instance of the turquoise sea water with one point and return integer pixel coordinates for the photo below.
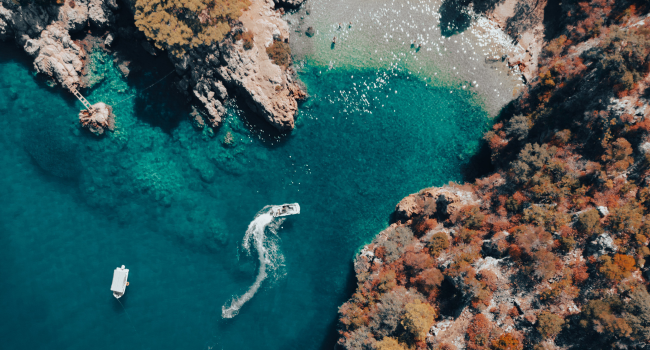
(172, 203)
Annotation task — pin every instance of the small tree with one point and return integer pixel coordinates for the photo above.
(389, 343)
(506, 342)
(438, 243)
(549, 324)
(518, 127)
(417, 319)
(617, 269)
(479, 332)
(639, 313)
(279, 53)
(589, 222)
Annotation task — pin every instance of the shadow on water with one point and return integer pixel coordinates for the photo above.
(12, 53)
(479, 165)
(260, 128)
(553, 17)
(158, 102)
(160, 105)
(454, 18)
(332, 337)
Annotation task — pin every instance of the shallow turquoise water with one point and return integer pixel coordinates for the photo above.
(173, 203)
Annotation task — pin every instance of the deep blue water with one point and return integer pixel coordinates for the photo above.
(172, 203)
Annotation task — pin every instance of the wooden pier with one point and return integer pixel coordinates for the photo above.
(81, 98)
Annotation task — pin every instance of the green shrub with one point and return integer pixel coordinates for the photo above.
(438, 243)
(589, 222)
(549, 324)
(417, 319)
(247, 38)
(279, 53)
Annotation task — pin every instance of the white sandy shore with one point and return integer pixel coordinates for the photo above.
(379, 34)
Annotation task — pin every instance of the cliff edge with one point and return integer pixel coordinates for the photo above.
(239, 63)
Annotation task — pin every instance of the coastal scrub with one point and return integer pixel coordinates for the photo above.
(177, 25)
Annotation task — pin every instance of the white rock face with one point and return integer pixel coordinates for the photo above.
(56, 55)
(100, 120)
(604, 244)
(43, 31)
(99, 14)
(267, 88)
(603, 211)
(628, 105)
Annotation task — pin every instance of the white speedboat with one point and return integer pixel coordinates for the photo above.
(120, 281)
(285, 209)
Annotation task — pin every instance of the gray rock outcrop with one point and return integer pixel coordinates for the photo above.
(268, 89)
(44, 33)
(98, 120)
(206, 72)
(56, 55)
(603, 244)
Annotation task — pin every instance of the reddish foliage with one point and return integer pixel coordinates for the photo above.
(478, 333)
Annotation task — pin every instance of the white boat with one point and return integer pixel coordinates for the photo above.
(285, 209)
(120, 281)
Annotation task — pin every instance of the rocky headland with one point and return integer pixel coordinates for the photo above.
(549, 248)
(236, 66)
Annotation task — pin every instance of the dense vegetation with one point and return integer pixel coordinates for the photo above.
(550, 249)
(178, 25)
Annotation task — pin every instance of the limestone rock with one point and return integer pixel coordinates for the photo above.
(268, 88)
(603, 211)
(56, 55)
(99, 120)
(603, 244)
(74, 17)
(109, 40)
(447, 198)
(99, 14)
(23, 22)
(215, 110)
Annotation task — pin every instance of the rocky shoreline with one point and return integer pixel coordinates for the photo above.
(549, 249)
(208, 75)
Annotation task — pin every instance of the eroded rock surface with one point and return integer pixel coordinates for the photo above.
(99, 120)
(44, 33)
(523, 20)
(56, 55)
(268, 89)
(446, 199)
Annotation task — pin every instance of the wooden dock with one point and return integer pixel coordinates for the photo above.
(81, 98)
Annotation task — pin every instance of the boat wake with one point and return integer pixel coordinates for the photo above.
(262, 234)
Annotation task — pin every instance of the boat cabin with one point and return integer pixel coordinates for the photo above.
(120, 281)
(285, 209)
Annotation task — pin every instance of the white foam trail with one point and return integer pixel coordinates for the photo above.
(267, 250)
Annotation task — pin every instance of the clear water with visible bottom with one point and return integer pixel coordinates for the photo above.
(173, 203)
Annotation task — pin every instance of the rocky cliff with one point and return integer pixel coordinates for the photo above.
(207, 73)
(550, 250)
(268, 89)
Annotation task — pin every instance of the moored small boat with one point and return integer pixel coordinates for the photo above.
(120, 281)
(285, 209)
